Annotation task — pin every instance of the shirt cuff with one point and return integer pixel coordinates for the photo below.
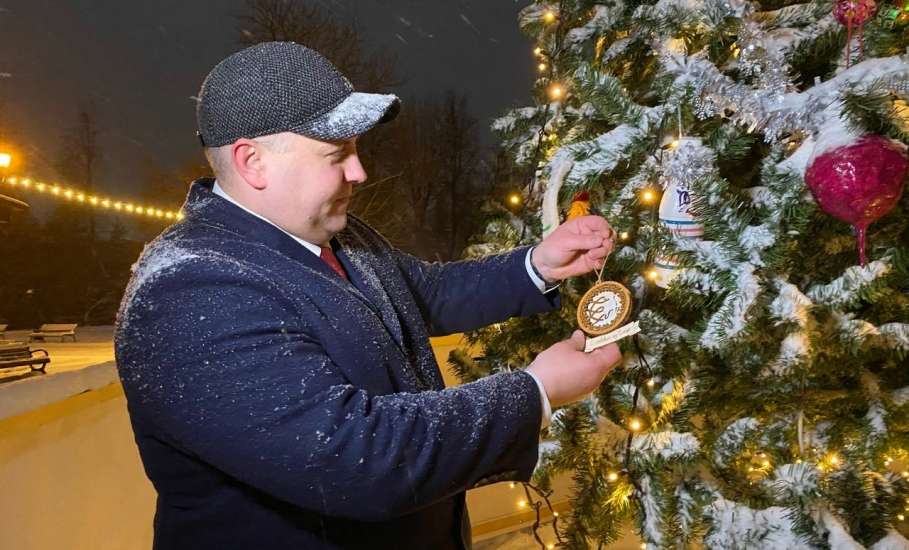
(544, 399)
(535, 277)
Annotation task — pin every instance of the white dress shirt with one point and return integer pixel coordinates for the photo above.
(317, 250)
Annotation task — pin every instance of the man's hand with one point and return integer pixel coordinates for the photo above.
(576, 247)
(568, 374)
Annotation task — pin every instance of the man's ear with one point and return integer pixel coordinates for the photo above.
(248, 158)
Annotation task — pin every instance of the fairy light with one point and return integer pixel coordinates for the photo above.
(677, 45)
(900, 517)
(612, 476)
(648, 196)
(522, 504)
(538, 51)
(624, 235)
(635, 425)
(5, 160)
(652, 274)
(549, 17)
(555, 514)
(651, 383)
(556, 91)
(514, 199)
(542, 67)
(511, 485)
(75, 196)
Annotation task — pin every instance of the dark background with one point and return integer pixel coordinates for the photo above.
(99, 96)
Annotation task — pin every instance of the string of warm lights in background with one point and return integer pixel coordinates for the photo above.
(78, 197)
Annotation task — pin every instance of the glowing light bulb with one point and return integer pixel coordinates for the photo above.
(549, 17)
(542, 67)
(624, 235)
(612, 476)
(514, 199)
(648, 196)
(652, 275)
(635, 425)
(651, 383)
(522, 504)
(538, 51)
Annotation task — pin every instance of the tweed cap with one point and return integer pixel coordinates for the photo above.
(277, 87)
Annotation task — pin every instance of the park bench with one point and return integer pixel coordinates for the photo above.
(60, 331)
(18, 354)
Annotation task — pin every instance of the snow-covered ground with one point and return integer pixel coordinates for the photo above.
(94, 345)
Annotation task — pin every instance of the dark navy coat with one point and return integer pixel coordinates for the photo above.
(277, 406)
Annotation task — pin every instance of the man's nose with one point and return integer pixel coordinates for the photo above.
(353, 170)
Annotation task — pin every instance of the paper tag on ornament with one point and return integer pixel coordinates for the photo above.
(599, 341)
(604, 308)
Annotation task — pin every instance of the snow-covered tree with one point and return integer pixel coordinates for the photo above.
(766, 402)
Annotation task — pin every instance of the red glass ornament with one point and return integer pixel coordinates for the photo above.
(860, 182)
(854, 14)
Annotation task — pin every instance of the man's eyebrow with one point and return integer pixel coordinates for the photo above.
(332, 147)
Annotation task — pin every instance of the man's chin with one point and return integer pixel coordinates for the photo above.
(337, 223)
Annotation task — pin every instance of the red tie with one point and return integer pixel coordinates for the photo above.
(329, 257)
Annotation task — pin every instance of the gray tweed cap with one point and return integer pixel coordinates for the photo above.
(278, 87)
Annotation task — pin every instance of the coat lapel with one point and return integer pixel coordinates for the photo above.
(360, 268)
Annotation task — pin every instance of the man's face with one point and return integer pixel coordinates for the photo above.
(310, 184)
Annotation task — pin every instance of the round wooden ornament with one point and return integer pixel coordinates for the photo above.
(604, 308)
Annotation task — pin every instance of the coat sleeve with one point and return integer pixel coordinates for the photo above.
(465, 295)
(228, 370)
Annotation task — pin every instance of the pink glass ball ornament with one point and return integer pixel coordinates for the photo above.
(854, 12)
(860, 182)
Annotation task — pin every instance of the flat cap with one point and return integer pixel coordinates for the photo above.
(276, 87)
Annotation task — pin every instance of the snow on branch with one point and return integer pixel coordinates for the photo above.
(730, 319)
(667, 445)
(846, 290)
(739, 527)
(790, 305)
(731, 440)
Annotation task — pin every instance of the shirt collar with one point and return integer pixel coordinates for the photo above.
(218, 190)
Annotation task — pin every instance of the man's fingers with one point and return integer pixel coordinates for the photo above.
(594, 224)
(582, 242)
(578, 340)
(607, 356)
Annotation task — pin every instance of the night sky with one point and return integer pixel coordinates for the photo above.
(139, 63)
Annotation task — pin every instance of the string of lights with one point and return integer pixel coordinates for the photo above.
(75, 196)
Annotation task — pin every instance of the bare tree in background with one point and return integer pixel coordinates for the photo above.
(307, 24)
(460, 167)
(81, 155)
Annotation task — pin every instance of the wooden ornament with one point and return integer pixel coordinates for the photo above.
(604, 308)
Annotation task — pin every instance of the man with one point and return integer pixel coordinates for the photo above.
(275, 352)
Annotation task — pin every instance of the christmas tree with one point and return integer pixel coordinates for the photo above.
(751, 157)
